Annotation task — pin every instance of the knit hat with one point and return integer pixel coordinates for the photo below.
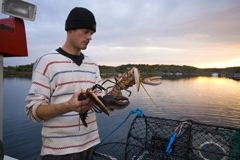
(80, 18)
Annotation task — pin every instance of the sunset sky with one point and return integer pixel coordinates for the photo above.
(200, 33)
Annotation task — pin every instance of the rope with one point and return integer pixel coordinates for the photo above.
(169, 150)
(138, 111)
(145, 152)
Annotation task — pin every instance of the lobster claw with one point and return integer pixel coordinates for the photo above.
(151, 80)
(114, 102)
(97, 102)
(94, 98)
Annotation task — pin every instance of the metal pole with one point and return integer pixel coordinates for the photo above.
(1, 96)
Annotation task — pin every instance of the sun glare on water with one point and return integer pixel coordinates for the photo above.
(216, 81)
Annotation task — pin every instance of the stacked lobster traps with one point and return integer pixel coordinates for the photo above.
(159, 138)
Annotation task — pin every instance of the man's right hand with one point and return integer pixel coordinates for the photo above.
(80, 106)
(46, 112)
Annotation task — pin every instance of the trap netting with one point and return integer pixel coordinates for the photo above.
(152, 138)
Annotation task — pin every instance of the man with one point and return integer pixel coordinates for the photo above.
(58, 78)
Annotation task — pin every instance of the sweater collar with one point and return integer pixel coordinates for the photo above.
(77, 59)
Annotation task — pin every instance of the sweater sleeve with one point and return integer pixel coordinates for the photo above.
(39, 93)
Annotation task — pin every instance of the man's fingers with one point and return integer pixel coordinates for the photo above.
(86, 105)
(86, 101)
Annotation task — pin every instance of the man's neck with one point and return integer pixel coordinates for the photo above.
(77, 59)
(71, 50)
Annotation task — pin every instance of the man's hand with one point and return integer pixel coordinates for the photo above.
(80, 106)
(46, 112)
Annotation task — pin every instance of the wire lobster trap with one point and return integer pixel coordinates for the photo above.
(158, 138)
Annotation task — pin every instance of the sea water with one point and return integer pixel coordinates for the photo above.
(205, 99)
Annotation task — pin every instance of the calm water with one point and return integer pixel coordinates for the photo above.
(207, 99)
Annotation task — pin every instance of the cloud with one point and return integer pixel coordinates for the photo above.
(187, 32)
(196, 35)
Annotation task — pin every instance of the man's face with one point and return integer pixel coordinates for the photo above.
(80, 38)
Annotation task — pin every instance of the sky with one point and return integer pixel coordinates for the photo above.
(200, 33)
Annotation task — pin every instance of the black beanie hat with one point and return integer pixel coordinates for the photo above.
(80, 18)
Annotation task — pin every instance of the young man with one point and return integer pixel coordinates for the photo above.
(58, 78)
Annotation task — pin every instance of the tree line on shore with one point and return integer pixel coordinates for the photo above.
(143, 68)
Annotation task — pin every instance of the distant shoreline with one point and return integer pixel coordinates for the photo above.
(145, 70)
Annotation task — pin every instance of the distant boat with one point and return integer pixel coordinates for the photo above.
(236, 76)
(214, 75)
(178, 74)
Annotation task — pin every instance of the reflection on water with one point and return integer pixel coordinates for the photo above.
(210, 100)
(207, 99)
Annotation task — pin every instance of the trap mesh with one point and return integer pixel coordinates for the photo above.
(148, 138)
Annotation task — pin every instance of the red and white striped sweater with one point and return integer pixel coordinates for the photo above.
(55, 78)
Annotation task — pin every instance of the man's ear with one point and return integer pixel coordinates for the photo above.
(70, 31)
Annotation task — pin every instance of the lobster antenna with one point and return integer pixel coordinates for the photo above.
(149, 95)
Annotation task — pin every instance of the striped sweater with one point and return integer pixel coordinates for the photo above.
(55, 78)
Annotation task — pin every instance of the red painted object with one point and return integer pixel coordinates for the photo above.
(13, 44)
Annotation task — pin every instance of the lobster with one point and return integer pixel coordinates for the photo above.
(113, 98)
